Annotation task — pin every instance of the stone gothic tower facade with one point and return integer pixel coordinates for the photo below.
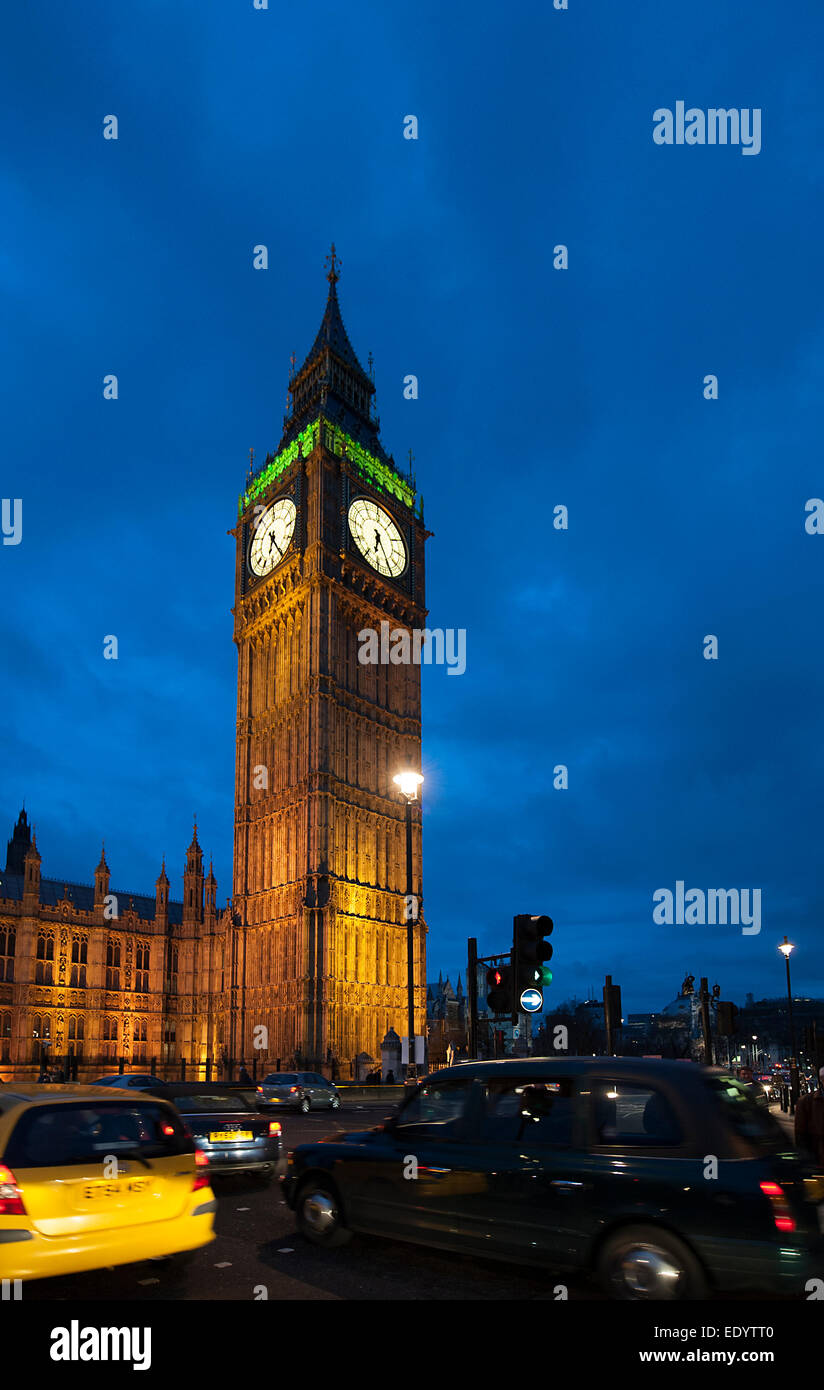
(330, 542)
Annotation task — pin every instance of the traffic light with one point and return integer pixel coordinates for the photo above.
(725, 1019)
(499, 989)
(530, 951)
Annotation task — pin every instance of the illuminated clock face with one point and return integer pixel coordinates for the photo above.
(272, 535)
(377, 537)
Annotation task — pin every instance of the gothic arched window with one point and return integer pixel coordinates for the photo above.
(7, 941)
(44, 965)
(112, 963)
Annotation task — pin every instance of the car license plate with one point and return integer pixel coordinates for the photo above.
(93, 1191)
(225, 1136)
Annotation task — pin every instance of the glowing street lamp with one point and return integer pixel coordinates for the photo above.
(786, 948)
(408, 783)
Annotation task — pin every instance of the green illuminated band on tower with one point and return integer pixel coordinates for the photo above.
(379, 474)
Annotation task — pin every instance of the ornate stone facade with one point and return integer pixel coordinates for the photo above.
(93, 973)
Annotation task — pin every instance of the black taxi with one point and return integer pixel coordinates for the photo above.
(664, 1178)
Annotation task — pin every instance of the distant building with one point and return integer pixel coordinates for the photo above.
(446, 1019)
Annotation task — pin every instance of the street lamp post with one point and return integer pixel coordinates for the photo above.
(785, 948)
(409, 782)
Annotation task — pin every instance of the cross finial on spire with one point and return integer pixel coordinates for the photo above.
(334, 265)
(371, 361)
(251, 462)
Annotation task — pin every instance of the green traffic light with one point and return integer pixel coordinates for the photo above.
(544, 976)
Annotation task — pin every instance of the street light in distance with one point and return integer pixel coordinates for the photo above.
(786, 948)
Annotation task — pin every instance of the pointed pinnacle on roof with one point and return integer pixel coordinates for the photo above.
(333, 261)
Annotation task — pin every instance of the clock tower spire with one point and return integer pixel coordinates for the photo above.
(331, 378)
(330, 541)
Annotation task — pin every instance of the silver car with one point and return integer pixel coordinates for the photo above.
(297, 1090)
(228, 1128)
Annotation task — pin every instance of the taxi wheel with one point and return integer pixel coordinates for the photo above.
(334, 1104)
(304, 1106)
(319, 1215)
(645, 1264)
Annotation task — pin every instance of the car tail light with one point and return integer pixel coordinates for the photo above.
(11, 1198)
(260, 1090)
(168, 1130)
(293, 1090)
(201, 1178)
(274, 1127)
(780, 1206)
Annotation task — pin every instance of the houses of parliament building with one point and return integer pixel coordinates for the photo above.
(306, 964)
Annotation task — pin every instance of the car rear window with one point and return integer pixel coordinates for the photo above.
(214, 1101)
(748, 1119)
(49, 1136)
(281, 1078)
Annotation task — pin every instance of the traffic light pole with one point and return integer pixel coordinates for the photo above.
(608, 1013)
(472, 995)
(704, 998)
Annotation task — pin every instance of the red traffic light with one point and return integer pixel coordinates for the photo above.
(499, 989)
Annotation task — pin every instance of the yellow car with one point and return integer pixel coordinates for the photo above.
(92, 1177)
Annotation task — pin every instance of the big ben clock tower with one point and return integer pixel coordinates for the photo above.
(330, 542)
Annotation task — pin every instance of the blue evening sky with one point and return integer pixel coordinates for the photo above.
(538, 387)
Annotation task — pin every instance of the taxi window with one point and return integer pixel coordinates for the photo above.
(748, 1119)
(54, 1136)
(436, 1109)
(281, 1078)
(519, 1110)
(633, 1116)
